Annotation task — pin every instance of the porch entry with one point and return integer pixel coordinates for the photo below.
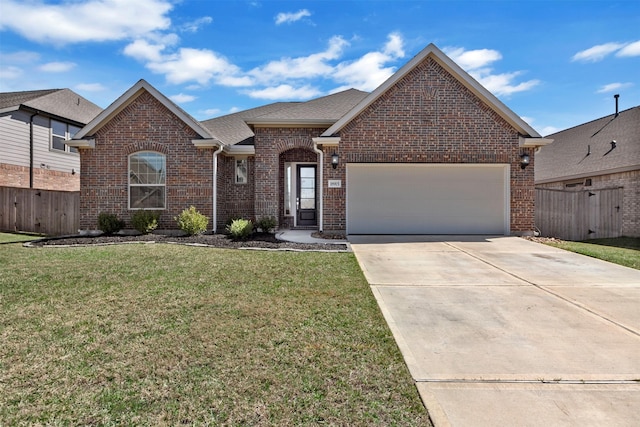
(306, 211)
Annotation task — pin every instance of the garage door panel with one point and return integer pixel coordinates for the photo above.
(427, 199)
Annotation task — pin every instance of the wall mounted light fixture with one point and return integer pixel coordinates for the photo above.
(334, 160)
(524, 160)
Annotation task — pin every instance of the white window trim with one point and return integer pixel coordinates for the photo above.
(66, 137)
(235, 169)
(129, 185)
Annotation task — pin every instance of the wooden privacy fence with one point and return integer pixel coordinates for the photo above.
(579, 215)
(53, 213)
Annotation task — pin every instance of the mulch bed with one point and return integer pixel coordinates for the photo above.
(257, 241)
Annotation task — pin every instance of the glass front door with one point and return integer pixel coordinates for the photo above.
(306, 211)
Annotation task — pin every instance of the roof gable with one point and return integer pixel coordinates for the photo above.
(458, 73)
(127, 98)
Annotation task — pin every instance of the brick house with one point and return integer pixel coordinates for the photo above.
(33, 127)
(597, 166)
(430, 151)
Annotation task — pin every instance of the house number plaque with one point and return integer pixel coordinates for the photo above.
(335, 183)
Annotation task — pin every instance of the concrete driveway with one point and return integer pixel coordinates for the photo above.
(504, 331)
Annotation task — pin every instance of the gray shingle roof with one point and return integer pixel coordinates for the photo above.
(567, 158)
(329, 108)
(63, 103)
(233, 129)
(14, 99)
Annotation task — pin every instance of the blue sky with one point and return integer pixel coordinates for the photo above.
(556, 63)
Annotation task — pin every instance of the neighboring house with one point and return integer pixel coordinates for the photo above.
(597, 164)
(33, 128)
(430, 151)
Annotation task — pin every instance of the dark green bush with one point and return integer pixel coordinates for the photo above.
(145, 221)
(192, 222)
(109, 223)
(240, 229)
(266, 224)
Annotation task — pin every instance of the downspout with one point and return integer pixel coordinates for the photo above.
(320, 175)
(31, 149)
(215, 188)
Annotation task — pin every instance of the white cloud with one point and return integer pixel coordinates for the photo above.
(503, 84)
(142, 50)
(304, 67)
(548, 130)
(284, 91)
(194, 26)
(632, 49)
(597, 52)
(282, 17)
(10, 73)
(20, 57)
(182, 98)
(476, 63)
(56, 67)
(211, 112)
(200, 65)
(369, 71)
(93, 20)
(613, 87)
(472, 59)
(90, 87)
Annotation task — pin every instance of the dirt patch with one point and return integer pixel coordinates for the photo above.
(257, 241)
(543, 239)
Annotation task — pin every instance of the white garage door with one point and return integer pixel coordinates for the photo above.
(427, 199)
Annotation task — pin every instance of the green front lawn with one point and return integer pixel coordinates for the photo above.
(11, 237)
(622, 250)
(168, 335)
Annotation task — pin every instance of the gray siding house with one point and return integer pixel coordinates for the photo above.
(34, 126)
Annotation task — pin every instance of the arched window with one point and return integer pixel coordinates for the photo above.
(147, 180)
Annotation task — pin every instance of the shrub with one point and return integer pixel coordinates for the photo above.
(266, 224)
(240, 229)
(109, 223)
(145, 221)
(192, 222)
(231, 219)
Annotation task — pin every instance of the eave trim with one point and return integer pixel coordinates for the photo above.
(81, 143)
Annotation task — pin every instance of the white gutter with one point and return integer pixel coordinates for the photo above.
(215, 188)
(321, 163)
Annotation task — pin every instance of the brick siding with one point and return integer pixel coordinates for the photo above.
(145, 124)
(430, 117)
(270, 143)
(43, 179)
(234, 200)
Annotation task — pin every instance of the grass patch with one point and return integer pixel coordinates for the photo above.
(166, 335)
(16, 238)
(622, 250)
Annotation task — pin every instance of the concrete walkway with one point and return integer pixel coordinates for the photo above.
(504, 331)
(305, 236)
